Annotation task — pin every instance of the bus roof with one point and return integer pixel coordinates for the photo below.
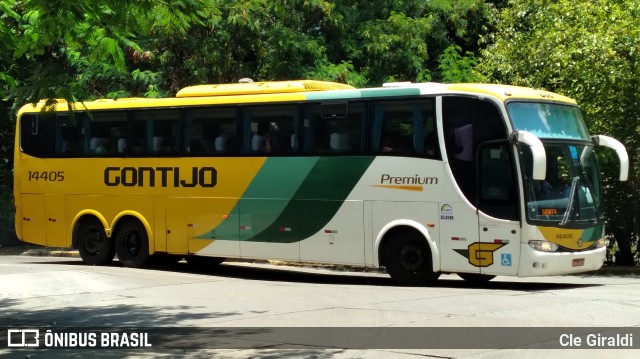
(302, 90)
(247, 88)
(506, 92)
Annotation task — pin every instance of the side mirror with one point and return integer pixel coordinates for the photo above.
(537, 150)
(621, 151)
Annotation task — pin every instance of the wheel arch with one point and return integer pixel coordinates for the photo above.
(397, 226)
(86, 215)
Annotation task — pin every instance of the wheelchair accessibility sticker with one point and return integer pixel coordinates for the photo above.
(505, 259)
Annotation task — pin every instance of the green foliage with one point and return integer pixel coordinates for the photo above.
(457, 68)
(83, 49)
(588, 50)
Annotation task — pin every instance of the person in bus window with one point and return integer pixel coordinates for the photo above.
(340, 140)
(387, 144)
(99, 144)
(261, 141)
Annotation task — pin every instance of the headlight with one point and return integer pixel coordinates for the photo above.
(602, 242)
(543, 246)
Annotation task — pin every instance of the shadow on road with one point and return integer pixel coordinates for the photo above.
(277, 273)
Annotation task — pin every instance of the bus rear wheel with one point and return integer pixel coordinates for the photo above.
(92, 243)
(408, 259)
(132, 244)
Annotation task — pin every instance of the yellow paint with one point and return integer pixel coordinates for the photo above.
(87, 176)
(260, 88)
(568, 238)
(505, 92)
(158, 208)
(165, 102)
(481, 254)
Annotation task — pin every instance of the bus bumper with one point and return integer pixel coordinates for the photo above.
(536, 263)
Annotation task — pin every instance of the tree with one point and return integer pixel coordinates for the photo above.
(587, 50)
(80, 49)
(357, 42)
(85, 49)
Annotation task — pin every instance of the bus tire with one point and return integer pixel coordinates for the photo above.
(204, 263)
(476, 277)
(408, 259)
(92, 243)
(132, 243)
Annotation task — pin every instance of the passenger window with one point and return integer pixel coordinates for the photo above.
(270, 130)
(327, 132)
(35, 134)
(66, 136)
(154, 133)
(104, 133)
(405, 128)
(210, 131)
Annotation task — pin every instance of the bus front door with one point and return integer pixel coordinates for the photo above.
(498, 251)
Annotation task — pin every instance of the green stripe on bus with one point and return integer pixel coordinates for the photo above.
(332, 95)
(265, 198)
(317, 200)
(390, 92)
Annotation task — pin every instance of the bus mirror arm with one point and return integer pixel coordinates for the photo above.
(621, 151)
(537, 150)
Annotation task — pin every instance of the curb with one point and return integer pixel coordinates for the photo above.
(51, 253)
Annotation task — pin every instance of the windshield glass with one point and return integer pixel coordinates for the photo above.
(548, 120)
(570, 195)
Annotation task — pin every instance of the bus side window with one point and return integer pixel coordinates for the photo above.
(468, 122)
(36, 135)
(314, 131)
(102, 133)
(155, 132)
(66, 136)
(209, 131)
(344, 130)
(405, 128)
(270, 129)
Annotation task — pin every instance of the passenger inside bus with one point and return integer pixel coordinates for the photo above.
(100, 144)
(340, 139)
(261, 141)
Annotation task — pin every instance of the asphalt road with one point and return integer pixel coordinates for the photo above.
(59, 293)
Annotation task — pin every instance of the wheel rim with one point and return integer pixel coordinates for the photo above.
(93, 242)
(132, 244)
(412, 258)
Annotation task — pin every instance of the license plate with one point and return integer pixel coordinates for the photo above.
(578, 262)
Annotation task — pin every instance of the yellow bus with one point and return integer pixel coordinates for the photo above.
(418, 178)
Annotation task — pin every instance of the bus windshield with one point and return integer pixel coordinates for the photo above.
(548, 120)
(571, 194)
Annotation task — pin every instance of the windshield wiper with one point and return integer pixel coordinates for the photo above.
(567, 212)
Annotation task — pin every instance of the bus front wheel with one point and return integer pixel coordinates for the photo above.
(92, 243)
(132, 244)
(408, 259)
